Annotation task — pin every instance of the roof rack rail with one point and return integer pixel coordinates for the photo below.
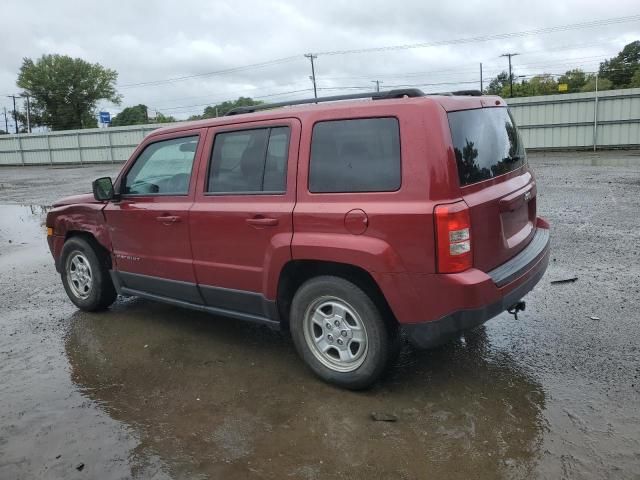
(461, 93)
(469, 93)
(404, 92)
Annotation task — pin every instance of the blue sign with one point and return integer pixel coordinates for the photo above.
(105, 117)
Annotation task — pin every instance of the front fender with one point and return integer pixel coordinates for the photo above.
(85, 218)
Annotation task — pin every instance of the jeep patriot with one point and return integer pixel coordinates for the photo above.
(345, 220)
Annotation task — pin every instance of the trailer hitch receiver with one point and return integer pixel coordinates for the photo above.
(517, 307)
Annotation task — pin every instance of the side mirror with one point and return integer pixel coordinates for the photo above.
(103, 189)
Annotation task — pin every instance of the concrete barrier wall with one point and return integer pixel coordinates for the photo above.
(546, 122)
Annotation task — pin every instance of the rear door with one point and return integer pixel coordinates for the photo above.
(149, 224)
(241, 221)
(495, 182)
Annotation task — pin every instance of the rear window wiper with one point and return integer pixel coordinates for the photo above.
(512, 159)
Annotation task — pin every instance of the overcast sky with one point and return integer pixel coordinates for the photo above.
(148, 41)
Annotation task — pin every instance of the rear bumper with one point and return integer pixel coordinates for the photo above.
(507, 285)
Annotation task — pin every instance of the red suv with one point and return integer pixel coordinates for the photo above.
(344, 222)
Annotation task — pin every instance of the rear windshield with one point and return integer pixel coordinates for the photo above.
(486, 143)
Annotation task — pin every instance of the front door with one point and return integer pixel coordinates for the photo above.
(241, 221)
(149, 224)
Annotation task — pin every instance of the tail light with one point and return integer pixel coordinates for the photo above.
(453, 237)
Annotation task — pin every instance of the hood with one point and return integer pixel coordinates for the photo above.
(76, 199)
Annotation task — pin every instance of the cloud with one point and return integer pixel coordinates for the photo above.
(148, 41)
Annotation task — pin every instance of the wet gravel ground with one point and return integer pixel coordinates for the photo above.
(151, 391)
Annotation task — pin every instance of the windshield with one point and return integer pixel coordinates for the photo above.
(486, 143)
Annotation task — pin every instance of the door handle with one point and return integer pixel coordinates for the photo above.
(167, 219)
(260, 221)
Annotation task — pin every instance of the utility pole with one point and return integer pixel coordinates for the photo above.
(28, 112)
(6, 121)
(481, 88)
(377, 82)
(509, 55)
(311, 57)
(15, 113)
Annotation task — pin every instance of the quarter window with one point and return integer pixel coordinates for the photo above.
(250, 161)
(163, 168)
(355, 156)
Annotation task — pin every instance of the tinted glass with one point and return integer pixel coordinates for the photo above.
(275, 170)
(486, 143)
(249, 161)
(163, 168)
(355, 156)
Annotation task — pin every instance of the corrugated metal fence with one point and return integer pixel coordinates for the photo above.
(96, 145)
(578, 120)
(566, 121)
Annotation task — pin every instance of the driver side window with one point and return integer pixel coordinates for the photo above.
(163, 168)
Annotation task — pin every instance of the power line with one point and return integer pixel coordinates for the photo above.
(461, 70)
(208, 74)
(485, 38)
(481, 38)
(227, 98)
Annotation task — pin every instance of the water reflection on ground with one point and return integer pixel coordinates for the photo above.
(215, 397)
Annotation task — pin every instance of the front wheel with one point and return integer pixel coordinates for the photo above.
(340, 333)
(85, 276)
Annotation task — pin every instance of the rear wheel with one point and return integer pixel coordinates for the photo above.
(340, 333)
(85, 276)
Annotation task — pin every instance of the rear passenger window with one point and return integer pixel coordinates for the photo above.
(355, 156)
(249, 161)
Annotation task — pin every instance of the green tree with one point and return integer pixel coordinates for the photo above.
(221, 109)
(497, 84)
(621, 68)
(65, 90)
(575, 80)
(138, 115)
(160, 118)
(590, 85)
(635, 80)
(35, 117)
(543, 84)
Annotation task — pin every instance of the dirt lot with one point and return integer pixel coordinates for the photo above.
(151, 391)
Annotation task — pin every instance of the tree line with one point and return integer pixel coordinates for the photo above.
(621, 71)
(63, 92)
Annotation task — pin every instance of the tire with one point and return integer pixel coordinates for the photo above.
(327, 310)
(85, 276)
